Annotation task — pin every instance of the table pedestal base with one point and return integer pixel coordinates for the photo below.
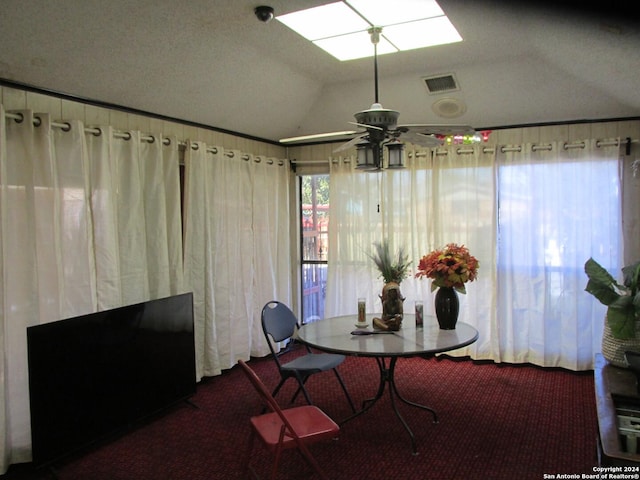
(387, 376)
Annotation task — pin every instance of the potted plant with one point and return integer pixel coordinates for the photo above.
(623, 301)
(392, 267)
(623, 308)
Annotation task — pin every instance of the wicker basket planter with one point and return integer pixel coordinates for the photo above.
(613, 348)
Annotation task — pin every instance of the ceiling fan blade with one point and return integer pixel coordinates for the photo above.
(431, 129)
(316, 136)
(364, 125)
(350, 143)
(422, 139)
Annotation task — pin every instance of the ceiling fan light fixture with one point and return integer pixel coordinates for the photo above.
(382, 128)
(368, 156)
(395, 150)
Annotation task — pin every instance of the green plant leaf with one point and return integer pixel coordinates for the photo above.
(636, 303)
(392, 269)
(631, 274)
(598, 274)
(601, 284)
(623, 300)
(622, 323)
(603, 293)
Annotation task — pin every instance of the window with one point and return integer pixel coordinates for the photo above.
(314, 230)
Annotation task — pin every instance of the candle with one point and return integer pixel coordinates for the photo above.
(419, 312)
(362, 310)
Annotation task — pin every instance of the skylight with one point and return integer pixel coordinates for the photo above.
(341, 28)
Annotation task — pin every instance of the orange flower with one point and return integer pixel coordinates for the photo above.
(452, 266)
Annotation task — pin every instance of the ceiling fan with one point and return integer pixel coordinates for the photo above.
(381, 129)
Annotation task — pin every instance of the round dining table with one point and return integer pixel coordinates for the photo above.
(341, 335)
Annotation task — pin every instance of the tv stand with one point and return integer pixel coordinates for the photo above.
(53, 472)
(616, 389)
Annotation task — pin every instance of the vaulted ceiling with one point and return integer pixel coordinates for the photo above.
(214, 63)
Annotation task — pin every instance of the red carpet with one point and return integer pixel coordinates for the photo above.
(496, 422)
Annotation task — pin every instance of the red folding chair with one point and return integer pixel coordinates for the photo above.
(290, 428)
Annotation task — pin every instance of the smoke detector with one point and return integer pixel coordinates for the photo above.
(449, 107)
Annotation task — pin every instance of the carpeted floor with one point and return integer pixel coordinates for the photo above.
(496, 422)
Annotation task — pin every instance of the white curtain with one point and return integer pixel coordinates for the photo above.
(434, 201)
(463, 211)
(135, 199)
(530, 215)
(237, 250)
(558, 207)
(79, 231)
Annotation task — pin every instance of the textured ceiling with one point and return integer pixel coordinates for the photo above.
(213, 63)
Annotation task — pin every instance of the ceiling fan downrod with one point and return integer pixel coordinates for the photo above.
(376, 120)
(374, 32)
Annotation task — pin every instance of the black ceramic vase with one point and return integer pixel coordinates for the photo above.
(447, 307)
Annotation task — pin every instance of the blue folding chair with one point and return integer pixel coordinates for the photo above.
(279, 324)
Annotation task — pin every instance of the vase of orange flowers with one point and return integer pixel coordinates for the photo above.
(449, 268)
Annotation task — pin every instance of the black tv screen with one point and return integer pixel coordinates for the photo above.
(99, 374)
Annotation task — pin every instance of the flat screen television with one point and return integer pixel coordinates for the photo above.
(98, 375)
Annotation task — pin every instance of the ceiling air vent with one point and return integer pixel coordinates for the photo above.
(441, 83)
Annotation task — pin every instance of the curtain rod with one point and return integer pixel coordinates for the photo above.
(66, 126)
(538, 147)
(503, 149)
